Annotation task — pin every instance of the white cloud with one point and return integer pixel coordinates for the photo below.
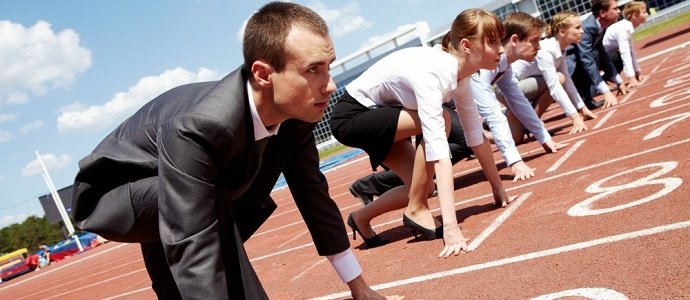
(78, 118)
(12, 219)
(422, 29)
(342, 20)
(51, 162)
(36, 59)
(5, 136)
(31, 126)
(8, 117)
(240, 33)
(18, 218)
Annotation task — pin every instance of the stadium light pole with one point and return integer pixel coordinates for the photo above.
(58, 203)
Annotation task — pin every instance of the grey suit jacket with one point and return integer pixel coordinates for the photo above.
(195, 146)
(587, 57)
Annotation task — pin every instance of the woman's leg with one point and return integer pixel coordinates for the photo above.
(422, 184)
(400, 159)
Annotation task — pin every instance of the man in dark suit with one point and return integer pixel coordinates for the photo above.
(586, 58)
(184, 176)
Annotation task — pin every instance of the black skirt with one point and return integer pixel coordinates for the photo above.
(370, 129)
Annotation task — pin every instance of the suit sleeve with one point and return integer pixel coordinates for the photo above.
(585, 49)
(309, 187)
(188, 218)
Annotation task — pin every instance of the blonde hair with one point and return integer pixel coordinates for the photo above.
(560, 21)
(634, 7)
(476, 25)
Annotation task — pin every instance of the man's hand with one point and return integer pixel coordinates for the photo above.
(622, 89)
(610, 100)
(633, 82)
(552, 147)
(521, 171)
(578, 123)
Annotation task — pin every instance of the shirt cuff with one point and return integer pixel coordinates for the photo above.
(603, 87)
(619, 79)
(346, 265)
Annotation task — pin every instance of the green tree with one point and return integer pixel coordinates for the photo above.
(32, 233)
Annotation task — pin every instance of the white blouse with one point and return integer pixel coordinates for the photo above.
(550, 60)
(422, 79)
(618, 38)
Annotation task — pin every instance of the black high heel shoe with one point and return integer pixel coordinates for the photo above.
(429, 234)
(372, 242)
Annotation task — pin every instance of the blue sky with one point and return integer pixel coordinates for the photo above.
(71, 71)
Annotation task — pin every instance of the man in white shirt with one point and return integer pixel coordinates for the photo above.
(520, 41)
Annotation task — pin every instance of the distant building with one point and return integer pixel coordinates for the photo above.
(51, 211)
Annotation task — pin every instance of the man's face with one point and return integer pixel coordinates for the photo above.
(527, 48)
(302, 89)
(609, 16)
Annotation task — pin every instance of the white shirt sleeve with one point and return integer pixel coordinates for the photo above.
(546, 63)
(346, 265)
(520, 106)
(429, 107)
(625, 50)
(490, 110)
(468, 114)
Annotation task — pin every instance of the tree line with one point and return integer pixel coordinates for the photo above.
(32, 233)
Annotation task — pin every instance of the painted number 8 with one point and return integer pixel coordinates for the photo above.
(669, 184)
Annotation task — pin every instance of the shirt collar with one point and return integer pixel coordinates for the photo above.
(260, 131)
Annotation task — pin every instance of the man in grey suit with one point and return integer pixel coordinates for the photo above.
(586, 58)
(184, 176)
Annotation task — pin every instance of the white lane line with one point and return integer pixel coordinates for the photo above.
(603, 119)
(565, 156)
(501, 218)
(524, 257)
(527, 184)
(128, 293)
(83, 287)
(300, 275)
(663, 52)
(62, 266)
(292, 239)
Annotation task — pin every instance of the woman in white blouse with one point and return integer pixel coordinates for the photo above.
(401, 96)
(618, 41)
(549, 71)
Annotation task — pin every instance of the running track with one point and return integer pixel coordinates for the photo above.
(607, 217)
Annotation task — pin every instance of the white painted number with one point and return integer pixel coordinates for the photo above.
(657, 132)
(669, 184)
(662, 101)
(589, 293)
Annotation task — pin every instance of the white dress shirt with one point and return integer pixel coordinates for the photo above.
(550, 60)
(618, 38)
(421, 79)
(489, 108)
(344, 263)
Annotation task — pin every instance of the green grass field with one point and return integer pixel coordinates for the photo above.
(670, 23)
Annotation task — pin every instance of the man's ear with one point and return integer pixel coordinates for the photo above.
(514, 38)
(261, 71)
